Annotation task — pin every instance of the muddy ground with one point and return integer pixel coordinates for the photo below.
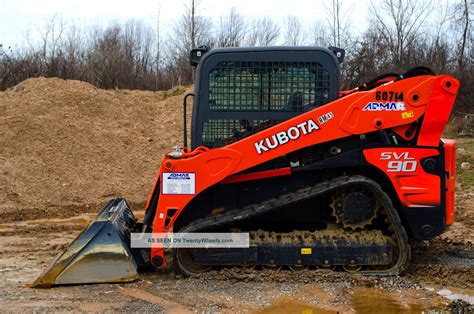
(67, 147)
(441, 270)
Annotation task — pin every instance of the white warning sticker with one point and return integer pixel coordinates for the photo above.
(179, 183)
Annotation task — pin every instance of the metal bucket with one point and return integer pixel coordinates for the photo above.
(101, 253)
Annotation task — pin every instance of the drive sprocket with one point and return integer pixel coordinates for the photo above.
(354, 209)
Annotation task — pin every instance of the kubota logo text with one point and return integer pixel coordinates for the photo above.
(387, 106)
(283, 137)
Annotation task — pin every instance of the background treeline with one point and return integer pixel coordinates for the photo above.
(135, 55)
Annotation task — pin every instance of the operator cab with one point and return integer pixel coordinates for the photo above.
(241, 91)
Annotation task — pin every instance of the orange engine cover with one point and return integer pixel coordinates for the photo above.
(413, 185)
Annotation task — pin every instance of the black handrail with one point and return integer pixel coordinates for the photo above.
(185, 131)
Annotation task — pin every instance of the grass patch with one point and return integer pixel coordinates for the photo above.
(173, 92)
(465, 153)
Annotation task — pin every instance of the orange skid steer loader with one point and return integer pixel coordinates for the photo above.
(316, 176)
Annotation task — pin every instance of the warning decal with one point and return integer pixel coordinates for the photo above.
(179, 183)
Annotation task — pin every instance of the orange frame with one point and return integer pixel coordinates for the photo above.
(431, 96)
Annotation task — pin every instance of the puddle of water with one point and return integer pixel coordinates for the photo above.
(452, 295)
(284, 306)
(366, 300)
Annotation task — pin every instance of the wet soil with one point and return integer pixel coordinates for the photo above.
(441, 272)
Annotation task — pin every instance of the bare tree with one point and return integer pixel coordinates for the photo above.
(51, 34)
(432, 46)
(158, 44)
(231, 31)
(74, 46)
(190, 31)
(463, 52)
(399, 22)
(133, 54)
(339, 18)
(7, 65)
(320, 34)
(462, 17)
(294, 32)
(262, 32)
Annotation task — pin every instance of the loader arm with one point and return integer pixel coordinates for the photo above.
(394, 105)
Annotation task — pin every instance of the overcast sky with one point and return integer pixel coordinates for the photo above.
(19, 16)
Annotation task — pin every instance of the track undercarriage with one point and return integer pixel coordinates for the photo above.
(361, 233)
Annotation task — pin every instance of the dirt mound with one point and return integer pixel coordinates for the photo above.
(67, 146)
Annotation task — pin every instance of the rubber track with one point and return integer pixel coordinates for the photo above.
(306, 194)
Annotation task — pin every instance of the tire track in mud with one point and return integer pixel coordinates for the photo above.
(442, 262)
(441, 253)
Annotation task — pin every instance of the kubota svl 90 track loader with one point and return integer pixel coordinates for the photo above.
(316, 176)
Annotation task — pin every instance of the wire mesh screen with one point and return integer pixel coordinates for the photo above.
(267, 86)
(220, 132)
